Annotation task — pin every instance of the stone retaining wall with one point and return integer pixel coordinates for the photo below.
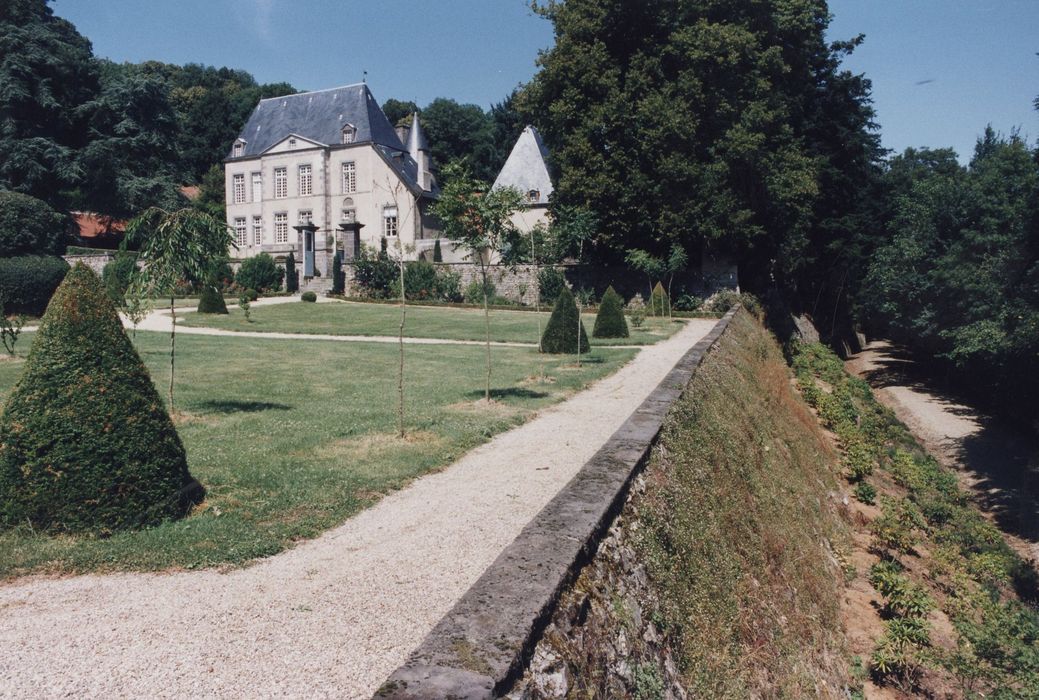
(482, 646)
(95, 262)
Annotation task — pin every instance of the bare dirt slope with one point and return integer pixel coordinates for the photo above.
(995, 461)
(334, 616)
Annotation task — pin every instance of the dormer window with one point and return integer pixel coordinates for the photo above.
(238, 150)
(349, 133)
(533, 196)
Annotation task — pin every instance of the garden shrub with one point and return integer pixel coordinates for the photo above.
(609, 322)
(561, 332)
(291, 274)
(420, 281)
(260, 273)
(222, 275)
(551, 282)
(251, 294)
(338, 276)
(688, 302)
(376, 275)
(117, 274)
(211, 301)
(308, 297)
(438, 255)
(474, 292)
(28, 281)
(86, 443)
(659, 303)
(449, 285)
(28, 226)
(637, 311)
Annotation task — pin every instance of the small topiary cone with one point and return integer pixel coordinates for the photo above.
(609, 322)
(438, 255)
(559, 337)
(659, 304)
(86, 443)
(211, 301)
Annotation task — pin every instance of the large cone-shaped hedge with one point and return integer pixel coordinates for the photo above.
(211, 301)
(609, 322)
(86, 443)
(561, 333)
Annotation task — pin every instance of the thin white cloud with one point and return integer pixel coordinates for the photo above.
(257, 17)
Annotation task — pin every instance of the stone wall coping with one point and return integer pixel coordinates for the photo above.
(480, 648)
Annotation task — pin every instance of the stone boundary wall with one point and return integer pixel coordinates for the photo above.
(481, 647)
(518, 283)
(95, 262)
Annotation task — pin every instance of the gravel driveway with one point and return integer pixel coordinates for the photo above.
(334, 616)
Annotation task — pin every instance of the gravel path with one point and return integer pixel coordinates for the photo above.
(993, 460)
(334, 616)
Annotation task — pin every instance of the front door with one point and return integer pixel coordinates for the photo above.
(308, 253)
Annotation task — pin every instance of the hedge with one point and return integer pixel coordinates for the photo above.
(86, 443)
(261, 273)
(28, 281)
(28, 226)
(609, 322)
(116, 276)
(561, 332)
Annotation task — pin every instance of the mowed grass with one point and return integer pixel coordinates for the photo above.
(290, 438)
(351, 318)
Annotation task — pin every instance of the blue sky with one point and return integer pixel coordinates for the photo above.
(978, 56)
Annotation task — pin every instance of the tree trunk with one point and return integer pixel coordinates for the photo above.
(578, 304)
(173, 343)
(487, 328)
(400, 376)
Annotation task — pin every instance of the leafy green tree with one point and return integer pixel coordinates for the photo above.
(211, 196)
(48, 75)
(478, 221)
(175, 246)
(399, 111)
(460, 132)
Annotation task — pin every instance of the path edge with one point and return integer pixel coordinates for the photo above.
(481, 646)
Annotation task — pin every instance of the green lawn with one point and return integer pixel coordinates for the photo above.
(348, 318)
(292, 437)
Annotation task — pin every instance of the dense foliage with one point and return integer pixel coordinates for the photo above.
(85, 133)
(117, 276)
(29, 226)
(85, 441)
(957, 281)
(261, 273)
(28, 281)
(564, 327)
(609, 322)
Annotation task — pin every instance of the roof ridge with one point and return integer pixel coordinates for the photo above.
(313, 92)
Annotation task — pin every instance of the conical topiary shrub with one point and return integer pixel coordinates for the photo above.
(211, 301)
(86, 443)
(291, 276)
(609, 322)
(659, 304)
(438, 255)
(561, 332)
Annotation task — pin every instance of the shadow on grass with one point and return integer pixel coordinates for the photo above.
(510, 393)
(241, 406)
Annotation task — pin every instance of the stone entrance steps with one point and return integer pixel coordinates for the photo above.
(318, 285)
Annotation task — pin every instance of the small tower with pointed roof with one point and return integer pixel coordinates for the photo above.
(526, 169)
(418, 149)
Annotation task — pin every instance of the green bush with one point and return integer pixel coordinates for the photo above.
(688, 302)
(637, 311)
(865, 492)
(551, 282)
(260, 273)
(449, 285)
(86, 443)
(561, 332)
(28, 281)
(117, 274)
(420, 281)
(609, 322)
(338, 276)
(28, 226)
(438, 256)
(222, 275)
(659, 303)
(251, 294)
(474, 292)
(376, 275)
(211, 301)
(291, 274)
(308, 297)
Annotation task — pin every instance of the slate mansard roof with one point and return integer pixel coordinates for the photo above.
(319, 116)
(526, 167)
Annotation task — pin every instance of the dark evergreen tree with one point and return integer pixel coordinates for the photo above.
(125, 467)
(291, 274)
(338, 276)
(438, 256)
(560, 336)
(211, 301)
(610, 322)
